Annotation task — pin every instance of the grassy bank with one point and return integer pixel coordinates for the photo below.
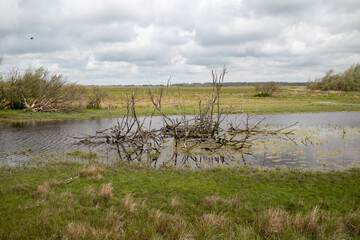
(241, 99)
(76, 201)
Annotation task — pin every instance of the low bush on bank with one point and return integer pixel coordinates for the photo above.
(37, 90)
(349, 80)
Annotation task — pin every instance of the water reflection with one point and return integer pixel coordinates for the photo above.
(321, 140)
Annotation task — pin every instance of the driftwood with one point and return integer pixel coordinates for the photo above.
(133, 141)
(129, 136)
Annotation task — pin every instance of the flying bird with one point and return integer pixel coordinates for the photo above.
(31, 38)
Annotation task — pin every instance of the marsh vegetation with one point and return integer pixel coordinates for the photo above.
(77, 201)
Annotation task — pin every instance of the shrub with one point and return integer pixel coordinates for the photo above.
(96, 96)
(3, 89)
(38, 90)
(266, 89)
(349, 80)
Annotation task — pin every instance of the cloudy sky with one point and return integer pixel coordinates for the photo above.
(143, 42)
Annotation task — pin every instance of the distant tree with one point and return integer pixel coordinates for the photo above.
(96, 96)
(266, 89)
(349, 80)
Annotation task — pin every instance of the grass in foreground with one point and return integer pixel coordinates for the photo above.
(241, 99)
(76, 201)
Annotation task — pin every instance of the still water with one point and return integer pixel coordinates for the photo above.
(320, 140)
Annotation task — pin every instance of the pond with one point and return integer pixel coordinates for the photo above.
(320, 140)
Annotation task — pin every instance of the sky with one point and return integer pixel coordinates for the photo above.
(139, 42)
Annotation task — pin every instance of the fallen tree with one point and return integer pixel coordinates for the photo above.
(134, 140)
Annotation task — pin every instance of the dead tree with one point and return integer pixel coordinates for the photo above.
(129, 135)
(203, 126)
(133, 140)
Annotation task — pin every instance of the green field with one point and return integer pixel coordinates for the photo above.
(240, 99)
(88, 201)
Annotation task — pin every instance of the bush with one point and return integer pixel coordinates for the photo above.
(37, 90)
(266, 89)
(96, 96)
(349, 80)
(3, 88)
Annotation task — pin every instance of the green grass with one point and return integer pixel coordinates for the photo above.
(131, 202)
(241, 99)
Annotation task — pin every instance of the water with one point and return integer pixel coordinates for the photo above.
(320, 140)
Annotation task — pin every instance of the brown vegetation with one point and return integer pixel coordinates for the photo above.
(43, 189)
(91, 171)
(106, 191)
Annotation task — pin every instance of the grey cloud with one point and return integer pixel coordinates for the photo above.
(98, 42)
(21, 44)
(280, 7)
(114, 32)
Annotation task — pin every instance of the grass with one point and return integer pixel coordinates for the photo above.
(77, 201)
(241, 99)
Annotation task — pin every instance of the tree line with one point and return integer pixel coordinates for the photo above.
(38, 90)
(349, 80)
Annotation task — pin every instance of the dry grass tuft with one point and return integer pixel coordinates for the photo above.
(313, 220)
(90, 192)
(311, 223)
(43, 189)
(43, 218)
(88, 197)
(212, 200)
(299, 223)
(172, 225)
(68, 195)
(130, 204)
(106, 191)
(175, 202)
(76, 230)
(20, 187)
(214, 220)
(272, 222)
(92, 171)
(235, 201)
(179, 228)
(115, 224)
(112, 228)
(351, 223)
(162, 221)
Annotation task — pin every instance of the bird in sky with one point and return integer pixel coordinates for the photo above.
(31, 38)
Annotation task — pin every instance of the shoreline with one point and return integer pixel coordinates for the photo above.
(61, 117)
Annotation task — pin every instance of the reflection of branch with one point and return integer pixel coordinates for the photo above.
(253, 130)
